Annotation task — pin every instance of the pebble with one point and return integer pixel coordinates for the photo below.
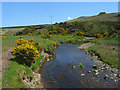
(111, 78)
(96, 73)
(94, 66)
(82, 74)
(89, 71)
(106, 77)
(73, 66)
(105, 82)
(48, 59)
(118, 76)
(115, 74)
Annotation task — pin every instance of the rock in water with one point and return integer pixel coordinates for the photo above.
(82, 74)
(106, 77)
(94, 66)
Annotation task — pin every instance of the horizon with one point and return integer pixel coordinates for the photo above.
(38, 13)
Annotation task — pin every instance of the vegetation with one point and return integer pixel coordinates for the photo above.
(81, 65)
(34, 39)
(106, 54)
(26, 50)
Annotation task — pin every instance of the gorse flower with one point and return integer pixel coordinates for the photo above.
(98, 35)
(106, 33)
(3, 36)
(80, 33)
(53, 43)
(26, 50)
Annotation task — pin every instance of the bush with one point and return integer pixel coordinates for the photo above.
(3, 36)
(25, 51)
(80, 33)
(45, 36)
(102, 13)
(54, 44)
(98, 35)
(105, 34)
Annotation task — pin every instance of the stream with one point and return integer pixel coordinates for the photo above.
(60, 73)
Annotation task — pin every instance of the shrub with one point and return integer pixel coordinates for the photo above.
(106, 34)
(80, 33)
(81, 65)
(102, 13)
(98, 35)
(70, 36)
(45, 36)
(26, 51)
(30, 34)
(54, 44)
(3, 36)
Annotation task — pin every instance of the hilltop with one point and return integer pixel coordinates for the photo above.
(100, 17)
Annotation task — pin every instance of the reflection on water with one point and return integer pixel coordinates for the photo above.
(59, 73)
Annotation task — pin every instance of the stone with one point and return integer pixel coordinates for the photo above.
(82, 74)
(106, 77)
(96, 73)
(48, 59)
(89, 71)
(105, 82)
(94, 66)
(73, 66)
(118, 76)
(111, 78)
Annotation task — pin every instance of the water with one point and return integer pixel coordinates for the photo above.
(59, 73)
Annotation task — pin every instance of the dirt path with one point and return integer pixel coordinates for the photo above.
(6, 56)
(3, 31)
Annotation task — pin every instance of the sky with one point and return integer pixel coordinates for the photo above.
(36, 13)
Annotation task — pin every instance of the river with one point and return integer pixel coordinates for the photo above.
(60, 73)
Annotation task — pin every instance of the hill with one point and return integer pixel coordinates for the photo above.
(101, 23)
(100, 17)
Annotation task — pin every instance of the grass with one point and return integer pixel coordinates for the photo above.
(11, 77)
(107, 55)
(10, 41)
(106, 52)
(106, 40)
(38, 64)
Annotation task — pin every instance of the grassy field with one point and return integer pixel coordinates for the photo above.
(107, 50)
(107, 40)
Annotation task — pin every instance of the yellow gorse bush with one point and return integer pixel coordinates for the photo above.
(117, 30)
(98, 35)
(69, 36)
(106, 33)
(45, 35)
(80, 33)
(26, 50)
(3, 36)
(29, 34)
(53, 43)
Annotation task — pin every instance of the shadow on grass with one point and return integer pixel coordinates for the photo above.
(21, 60)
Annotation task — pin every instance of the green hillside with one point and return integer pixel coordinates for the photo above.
(100, 17)
(91, 25)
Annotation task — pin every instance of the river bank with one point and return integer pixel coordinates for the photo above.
(101, 64)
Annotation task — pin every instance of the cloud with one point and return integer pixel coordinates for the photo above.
(69, 18)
